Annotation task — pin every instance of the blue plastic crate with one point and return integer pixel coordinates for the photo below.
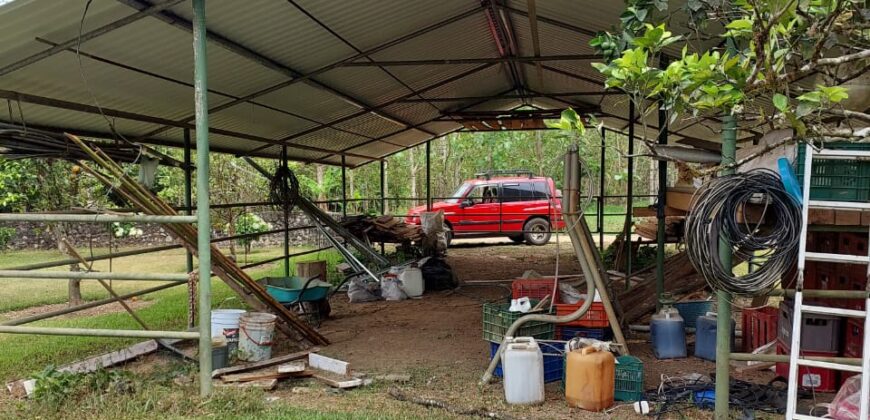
(554, 355)
(690, 310)
(567, 333)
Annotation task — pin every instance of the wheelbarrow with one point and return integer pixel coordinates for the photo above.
(307, 297)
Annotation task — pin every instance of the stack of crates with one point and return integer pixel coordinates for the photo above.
(759, 327)
(497, 319)
(821, 335)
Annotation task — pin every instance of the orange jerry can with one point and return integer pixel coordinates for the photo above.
(590, 376)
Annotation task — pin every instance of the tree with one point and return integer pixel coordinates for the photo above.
(801, 56)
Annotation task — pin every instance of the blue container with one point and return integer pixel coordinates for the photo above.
(554, 356)
(705, 337)
(690, 310)
(668, 334)
(567, 333)
(289, 289)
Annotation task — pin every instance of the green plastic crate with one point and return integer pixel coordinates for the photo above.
(497, 319)
(837, 180)
(629, 379)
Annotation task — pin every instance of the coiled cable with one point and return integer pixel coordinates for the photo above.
(721, 210)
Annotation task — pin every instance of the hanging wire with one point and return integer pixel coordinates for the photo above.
(723, 209)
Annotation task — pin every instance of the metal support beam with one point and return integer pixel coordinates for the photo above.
(629, 205)
(383, 187)
(601, 200)
(512, 96)
(429, 175)
(343, 187)
(188, 190)
(286, 215)
(94, 218)
(200, 76)
(723, 298)
(456, 61)
(86, 275)
(660, 210)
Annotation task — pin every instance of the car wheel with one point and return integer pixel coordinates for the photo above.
(517, 238)
(537, 231)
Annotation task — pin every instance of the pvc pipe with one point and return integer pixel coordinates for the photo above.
(95, 218)
(93, 332)
(830, 294)
(86, 275)
(783, 358)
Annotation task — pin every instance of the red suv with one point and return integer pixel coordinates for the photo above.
(523, 207)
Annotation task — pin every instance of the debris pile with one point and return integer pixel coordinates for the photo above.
(382, 229)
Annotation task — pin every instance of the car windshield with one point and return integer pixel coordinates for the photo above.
(454, 198)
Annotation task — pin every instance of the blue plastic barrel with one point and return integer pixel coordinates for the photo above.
(705, 337)
(668, 334)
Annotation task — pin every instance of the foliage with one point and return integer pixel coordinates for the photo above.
(754, 53)
(6, 235)
(125, 229)
(54, 386)
(250, 223)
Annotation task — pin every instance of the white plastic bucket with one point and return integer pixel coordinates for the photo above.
(256, 330)
(225, 322)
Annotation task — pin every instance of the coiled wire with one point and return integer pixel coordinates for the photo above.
(716, 212)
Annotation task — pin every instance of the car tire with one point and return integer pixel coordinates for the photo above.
(517, 238)
(537, 232)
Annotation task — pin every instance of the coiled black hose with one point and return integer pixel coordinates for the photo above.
(284, 188)
(720, 210)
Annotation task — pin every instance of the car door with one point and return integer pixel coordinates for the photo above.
(515, 196)
(480, 210)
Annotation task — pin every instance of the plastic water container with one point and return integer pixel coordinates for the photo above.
(668, 334)
(523, 364)
(590, 378)
(412, 281)
(225, 322)
(256, 330)
(705, 336)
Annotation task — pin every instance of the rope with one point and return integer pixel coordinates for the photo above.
(717, 208)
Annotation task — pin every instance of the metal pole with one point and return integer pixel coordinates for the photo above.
(91, 275)
(660, 210)
(93, 332)
(188, 188)
(723, 298)
(343, 187)
(629, 205)
(601, 192)
(286, 216)
(200, 75)
(383, 195)
(428, 175)
(94, 218)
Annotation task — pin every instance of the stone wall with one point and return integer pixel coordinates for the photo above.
(82, 235)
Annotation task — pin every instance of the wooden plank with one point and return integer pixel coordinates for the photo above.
(328, 364)
(256, 376)
(679, 200)
(265, 363)
(651, 212)
(264, 384)
(292, 367)
(821, 217)
(340, 383)
(847, 218)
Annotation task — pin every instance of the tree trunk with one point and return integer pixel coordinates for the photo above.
(321, 194)
(386, 188)
(539, 151)
(74, 287)
(350, 194)
(413, 167)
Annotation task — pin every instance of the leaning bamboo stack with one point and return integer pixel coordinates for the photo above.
(246, 287)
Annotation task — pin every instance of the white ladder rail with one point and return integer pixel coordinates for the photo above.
(795, 362)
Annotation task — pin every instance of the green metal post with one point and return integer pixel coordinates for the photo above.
(723, 298)
(343, 186)
(286, 217)
(629, 206)
(601, 200)
(660, 210)
(203, 224)
(188, 188)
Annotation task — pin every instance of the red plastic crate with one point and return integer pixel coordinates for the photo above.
(846, 374)
(854, 337)
(821, 380)
(595, 317)
(853, 243)
(759, 327)
(536, 289)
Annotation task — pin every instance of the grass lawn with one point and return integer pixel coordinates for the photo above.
(27, 354)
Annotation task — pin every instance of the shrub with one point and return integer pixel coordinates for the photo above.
(6, 235)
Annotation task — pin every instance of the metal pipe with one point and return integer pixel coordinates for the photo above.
(783, 358)
(429, 176)
(94, 218)
(343, 186)
(826, 294)
(660, 210)
(94, 275)
(200, 74)
(629, 206)
(383, 187)
(574, 217)
(188, 190)
(723, 298)
(601, 191)
(455, 61)
(94, 332)
(89, 305)
(286, 215)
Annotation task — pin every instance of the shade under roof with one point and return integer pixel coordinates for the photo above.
(300, 72)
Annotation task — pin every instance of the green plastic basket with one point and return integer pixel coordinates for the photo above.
(497, 319)
(837, 180)
(629, 379)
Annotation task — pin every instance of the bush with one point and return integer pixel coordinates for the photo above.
(250, 223)
(6, 235)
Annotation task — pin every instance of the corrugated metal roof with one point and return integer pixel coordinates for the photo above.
(143, 70)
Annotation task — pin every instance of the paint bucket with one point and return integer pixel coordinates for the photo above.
(256, 330)
(225, 322)
(219, 353)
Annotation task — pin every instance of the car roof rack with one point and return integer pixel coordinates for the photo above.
(506, 172)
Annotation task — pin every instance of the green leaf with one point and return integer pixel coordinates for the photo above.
(780, 102)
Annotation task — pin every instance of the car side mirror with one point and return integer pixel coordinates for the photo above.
(466, 203)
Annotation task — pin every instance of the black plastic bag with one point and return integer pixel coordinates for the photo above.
(438, 275)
